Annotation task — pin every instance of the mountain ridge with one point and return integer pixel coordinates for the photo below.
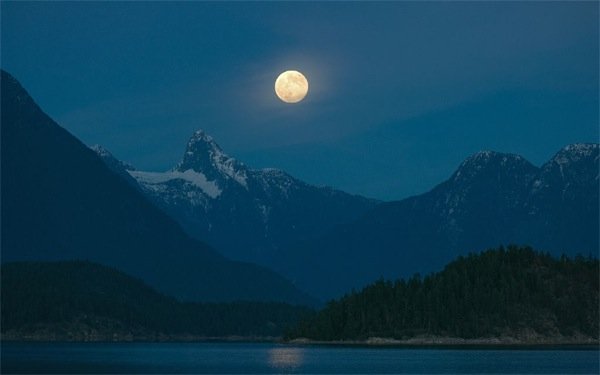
(491, 199)
(213, 195)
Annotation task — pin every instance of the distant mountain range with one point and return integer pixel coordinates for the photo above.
(60, 201)
(247, 214)
(328, 241)
(491, 199)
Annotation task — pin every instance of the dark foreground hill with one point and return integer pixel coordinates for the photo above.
(516, 293)
(85, 301)
(61, 202)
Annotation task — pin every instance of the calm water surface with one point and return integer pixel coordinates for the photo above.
(227, 358)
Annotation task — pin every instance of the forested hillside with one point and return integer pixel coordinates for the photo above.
(512, 292)
(86, 301)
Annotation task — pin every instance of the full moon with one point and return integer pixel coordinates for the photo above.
(291, 86)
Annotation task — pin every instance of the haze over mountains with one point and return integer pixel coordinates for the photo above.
(328, 242)
(60, 201)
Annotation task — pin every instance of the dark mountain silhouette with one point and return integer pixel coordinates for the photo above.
(74, 300)
(60, 201)
(492, 199)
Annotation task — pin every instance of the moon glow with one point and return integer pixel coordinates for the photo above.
(291, 86)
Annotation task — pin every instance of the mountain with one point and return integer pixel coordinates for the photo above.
(491, 199)
(247, 214)
(94, 302)
(562, 201)
(60, 202)
(329, 242)
(515, 295)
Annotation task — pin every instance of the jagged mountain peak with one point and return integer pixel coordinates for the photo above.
(200, 134)
(212, 195)
(201, 143)
(204, 155)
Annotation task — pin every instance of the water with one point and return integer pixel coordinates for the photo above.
(255, 358)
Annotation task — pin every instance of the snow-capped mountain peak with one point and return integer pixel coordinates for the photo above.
(576, 152)
(203, 155)
(213, 196)
(571, 161)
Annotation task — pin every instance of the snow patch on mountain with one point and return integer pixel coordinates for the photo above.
(197, 179)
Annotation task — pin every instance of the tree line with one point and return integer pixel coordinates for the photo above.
(82, 295)
(490, 294)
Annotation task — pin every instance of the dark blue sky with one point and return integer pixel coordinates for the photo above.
(400, 93)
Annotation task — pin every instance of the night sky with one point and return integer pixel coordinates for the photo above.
(400, 93)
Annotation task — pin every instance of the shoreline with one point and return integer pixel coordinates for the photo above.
(453, 342)
(373, 342)
(130, 338)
